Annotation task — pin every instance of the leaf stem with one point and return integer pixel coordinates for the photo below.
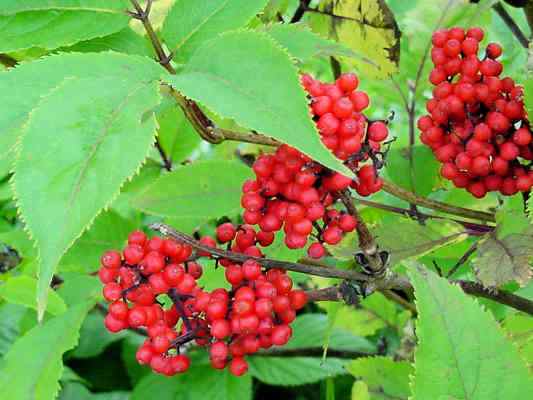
(167, 163)
(410, 197)
(511, 24)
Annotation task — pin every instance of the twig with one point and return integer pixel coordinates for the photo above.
(310, 352)
(300, 11)
(7, 61)
(474, 228)
(367, 244)
(463, 259)
(167, 164)
(265, 262)
(511, 24)
(410, 197)
(472, 288)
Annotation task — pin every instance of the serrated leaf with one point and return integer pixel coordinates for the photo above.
(108, 232)
(510, 217)
(94, 338)
(190, 23)
(462, 353)
(36, 79)
(274, 105)
(294, 371)
(383, 375)
(177, 136)
(404, 238)
(10, 315)
(71, 167)
(23, 290)
(125, 41)
(499, 261)
(201, 189)
(42, 368)
(519, 330)
(52, 29)
(425, 169)
(79, 288)
(9, 7)
(309, 331)
(367, 27)
(201, 382)
(303, 44)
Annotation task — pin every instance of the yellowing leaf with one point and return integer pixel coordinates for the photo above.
(365, 26)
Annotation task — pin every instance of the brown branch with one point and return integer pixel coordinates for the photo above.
(474, 228)
(265, 262)
(367, 243)
(464, 258)
(300, 11)
(310, 352)
(473, 288)
(410, 197)
(167, 163)
(511, 24)
(7, 61)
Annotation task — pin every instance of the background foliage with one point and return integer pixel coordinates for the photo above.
(82, 103)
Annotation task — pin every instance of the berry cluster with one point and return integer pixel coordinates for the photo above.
(256, 313)
(294, 193)
(477, 126)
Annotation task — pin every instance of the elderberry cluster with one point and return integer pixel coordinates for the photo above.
(296, 194)
(477, 126)
(256, 313)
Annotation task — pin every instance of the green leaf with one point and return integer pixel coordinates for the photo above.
(293, 371)
(19, 240)
(360, 391)
(510, 217)
(177, 136)
(357, 321)
(274, 105)
(52, 29)
(36, 79)
(15, 6)
(425, 167)
(94, 338)
(367, 27)
(69, 168)
(461, 353)
(201, 189)
(519, 330)
(309, 331)
(499, 261)
(201, 382)
(11, 315)
(125, 41)
(405, 238)
(128, 349)
(303, 44)
(383, 375)
(190, 23)
(108, 232)
(42, 368)
(23, 289)
(78, 288)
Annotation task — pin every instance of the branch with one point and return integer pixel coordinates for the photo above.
(265, 262)
(167, 164)
(472, 227)
(473, 288)
(367, 243)
(310, 352)
(410, 197)
(300, 11)
(511, 24)
(7, 61)
(464, 258)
